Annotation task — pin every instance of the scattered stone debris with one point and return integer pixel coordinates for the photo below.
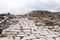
(36, 25)
(4, 21)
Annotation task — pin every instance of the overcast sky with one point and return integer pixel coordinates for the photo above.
(23, 6)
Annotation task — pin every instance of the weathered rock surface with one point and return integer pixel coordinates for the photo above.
(26, 29)
(37, 25)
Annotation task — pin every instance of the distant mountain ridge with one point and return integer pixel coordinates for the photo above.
(43, 13)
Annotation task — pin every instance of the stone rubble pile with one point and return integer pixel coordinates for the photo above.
(26, 29)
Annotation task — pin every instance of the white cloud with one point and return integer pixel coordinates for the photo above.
(22, 6)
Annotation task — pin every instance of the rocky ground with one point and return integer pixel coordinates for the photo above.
(26, 29)
(32, 28)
